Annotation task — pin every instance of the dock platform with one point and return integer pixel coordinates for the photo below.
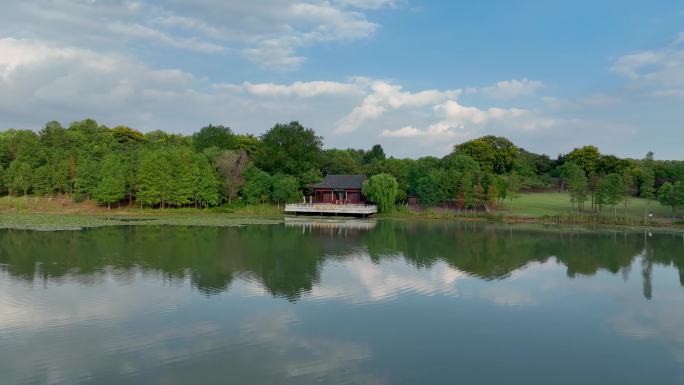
(331, 209)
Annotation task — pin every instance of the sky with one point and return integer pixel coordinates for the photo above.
(414, 76)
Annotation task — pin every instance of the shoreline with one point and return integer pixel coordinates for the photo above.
(74, 221)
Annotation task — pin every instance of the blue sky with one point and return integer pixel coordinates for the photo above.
(415, 76)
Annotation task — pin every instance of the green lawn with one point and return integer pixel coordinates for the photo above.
(553, 203)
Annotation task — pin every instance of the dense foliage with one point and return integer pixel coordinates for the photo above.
(215, 166)
(381, 189)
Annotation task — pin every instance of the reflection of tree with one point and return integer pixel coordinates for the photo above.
(647, 275)
(284, 260)
(288, 261)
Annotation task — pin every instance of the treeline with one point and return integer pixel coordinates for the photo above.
(214, 166)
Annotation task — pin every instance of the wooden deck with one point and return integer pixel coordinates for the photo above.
(330, 209)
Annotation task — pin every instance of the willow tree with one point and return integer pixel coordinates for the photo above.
(382, 189)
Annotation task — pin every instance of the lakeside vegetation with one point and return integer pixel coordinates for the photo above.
(215, 169)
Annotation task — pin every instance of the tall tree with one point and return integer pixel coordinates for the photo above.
(289, 149)
(613, 190)
(647, 189)
(285, 189)
(381, 189)
(587, 158)
(493, 153)
(150, 183)
(18, 177)
(672, 195)
(42, 181)
(231, 166)
(375, 154)
(87, 175)
(111, 187)
(214, 136)
(629, 181)
(576, 180)
(257, 188)
(183, 176)
(206, 185)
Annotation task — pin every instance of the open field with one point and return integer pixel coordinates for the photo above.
(553, 203)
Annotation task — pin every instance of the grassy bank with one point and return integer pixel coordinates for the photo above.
(549, 208)
(62, 214)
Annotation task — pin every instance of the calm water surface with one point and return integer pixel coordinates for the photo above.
(390, 303)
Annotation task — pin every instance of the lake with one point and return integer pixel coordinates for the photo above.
(384, 302)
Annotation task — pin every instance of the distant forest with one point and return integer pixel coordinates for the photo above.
(216, 167)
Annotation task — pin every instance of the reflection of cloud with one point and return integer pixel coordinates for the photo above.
(74, 333)
(507, 296)
(23, 307)
(359, 280)
(660, 319)
(301, 356)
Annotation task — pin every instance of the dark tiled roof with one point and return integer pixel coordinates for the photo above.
(341, 182)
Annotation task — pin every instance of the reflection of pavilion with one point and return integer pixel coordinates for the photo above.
(333, 224)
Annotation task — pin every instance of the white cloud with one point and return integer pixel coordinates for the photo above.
(404, 132)
(632, 65)
(511, 89)
(384, 97)
(267, 32)
(300, 89)
(140, 31)
(459, 123)
(369, 4)
(660, 71)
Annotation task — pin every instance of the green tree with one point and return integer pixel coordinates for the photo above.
(206, 186)
(612, 188)
(337, 162)
(42, 181)
(460, 162)
(493, 153)
(125, 135)
(435, 187)
(492, 194)
(18, 177)
(285, 189)
(87, 175)
(587, 158)
(479, 196)
(575, 179)
(247, 143)
(466, 192)
(381, 189)
(672, 195)
(183, 176)
(647, 189)
(375, 154)
(111, 187)
(289, 149)
(513, 186)
(629, 181)
(257, 187)
(150, 181)
(60, 176)
(214, 136)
